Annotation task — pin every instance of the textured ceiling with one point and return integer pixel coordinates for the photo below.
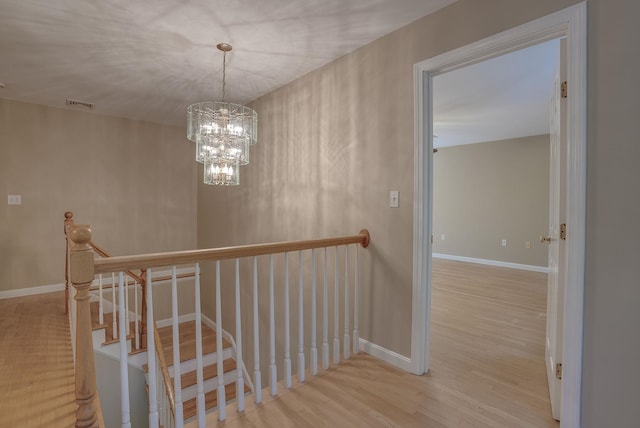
(501, 98)
(150, 60)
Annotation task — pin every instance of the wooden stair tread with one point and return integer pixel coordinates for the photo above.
(107, 317)
(189, 407)
(208, 372)
(187, 332)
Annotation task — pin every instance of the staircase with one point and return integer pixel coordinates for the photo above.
(105, 330)
(188, 377)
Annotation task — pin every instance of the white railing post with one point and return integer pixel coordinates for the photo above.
(135, 306)
(301, 367)
(256, 336)
(273, 371)
(222, 404)
(356, 332)
(151, 357)
(100, 303)
(314, 339)
(200, 404)
(114, 314)
(126, 306)
(287, 331)
(336, 313)
(124, 364)
(346, 348)
(177, 381)
(239, 361)
(325, 314)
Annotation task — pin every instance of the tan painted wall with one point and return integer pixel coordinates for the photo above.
(483, 193)
(333, 143)
(132, 181)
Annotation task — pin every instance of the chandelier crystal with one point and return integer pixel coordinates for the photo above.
(223, 133)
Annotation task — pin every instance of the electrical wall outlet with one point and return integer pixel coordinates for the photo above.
(442, 237)
(504, 242)
(527, 244)
(14, 200)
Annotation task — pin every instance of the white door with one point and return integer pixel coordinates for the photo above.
(557, 245)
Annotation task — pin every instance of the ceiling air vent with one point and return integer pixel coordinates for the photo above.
(77, 103)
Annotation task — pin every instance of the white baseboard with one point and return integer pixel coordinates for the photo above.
(393, 358)
(21, 292)
(497, 263)
(169, 321)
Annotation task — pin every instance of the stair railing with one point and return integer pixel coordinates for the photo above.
(84, 267)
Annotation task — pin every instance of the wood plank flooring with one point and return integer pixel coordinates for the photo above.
(487, 366)
(36, 363)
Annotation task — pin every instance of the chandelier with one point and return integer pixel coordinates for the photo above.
(223, 133)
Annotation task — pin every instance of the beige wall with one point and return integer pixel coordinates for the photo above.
(483, 193)
(132, 181)
(333, 143)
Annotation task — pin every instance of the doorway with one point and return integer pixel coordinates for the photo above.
(569, 23)
(491, 202)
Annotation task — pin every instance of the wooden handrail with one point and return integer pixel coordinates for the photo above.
(168, 382)
(120, 263)
(102, 253)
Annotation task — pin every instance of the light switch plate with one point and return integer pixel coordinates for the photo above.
(394, 196)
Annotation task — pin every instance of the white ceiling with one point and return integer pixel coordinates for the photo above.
(150, 60)
(498, 99)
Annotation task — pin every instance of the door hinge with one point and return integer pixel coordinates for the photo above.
(563, 231)
(563, 89)
(559, 370)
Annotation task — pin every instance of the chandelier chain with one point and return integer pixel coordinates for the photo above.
(224, 74)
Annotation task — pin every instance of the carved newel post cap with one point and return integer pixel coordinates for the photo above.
(68, 215)
(80, 235)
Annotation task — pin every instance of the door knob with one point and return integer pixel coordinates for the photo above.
(544, 239)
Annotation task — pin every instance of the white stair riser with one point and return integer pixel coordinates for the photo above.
(209, 385)
(207, 360)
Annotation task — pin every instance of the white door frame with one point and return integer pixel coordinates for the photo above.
(572, 24)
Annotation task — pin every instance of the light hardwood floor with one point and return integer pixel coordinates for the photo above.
(36, 363)
(487, 365)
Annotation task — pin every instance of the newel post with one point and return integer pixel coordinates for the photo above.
(82, 273)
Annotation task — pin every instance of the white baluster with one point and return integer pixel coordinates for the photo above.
(325, 314)
(256, 336)
(222, 405)
(135, 307)
(126, 306)
(314, 350)
(287, 335)
(177, 383)
(151, 357)
(356, 332)
(100, 304)
(114, 315)
(346, 348)
(336, 314)
(199, 364)
(273, 371)
(124, 366)
(301, 367)
(240, 378)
